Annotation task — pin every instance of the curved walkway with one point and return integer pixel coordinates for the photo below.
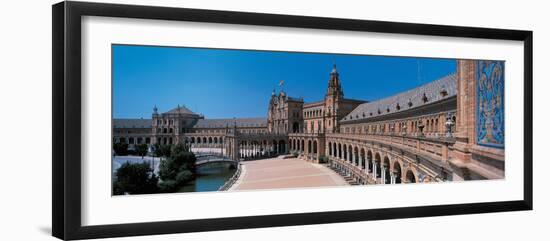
(285, 173)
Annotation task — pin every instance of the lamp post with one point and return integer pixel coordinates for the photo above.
(449, 124)
(421, 127)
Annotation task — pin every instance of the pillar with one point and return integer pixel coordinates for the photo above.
(374, 167)
(383, 174)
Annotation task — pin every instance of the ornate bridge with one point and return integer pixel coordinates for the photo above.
(208, 158)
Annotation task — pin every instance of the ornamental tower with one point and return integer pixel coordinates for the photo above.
(332, 99)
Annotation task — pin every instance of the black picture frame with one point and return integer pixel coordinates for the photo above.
(66, 75)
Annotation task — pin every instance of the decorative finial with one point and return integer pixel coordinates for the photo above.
(155, 109)
(443, 91)
(334, 70)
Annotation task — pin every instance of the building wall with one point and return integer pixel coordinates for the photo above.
(284, 114)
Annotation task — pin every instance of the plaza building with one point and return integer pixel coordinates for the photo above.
(449, 129)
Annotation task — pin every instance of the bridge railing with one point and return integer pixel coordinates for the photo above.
(211, 158)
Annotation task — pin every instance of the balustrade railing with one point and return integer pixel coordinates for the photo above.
(436, 148)
(231, 181)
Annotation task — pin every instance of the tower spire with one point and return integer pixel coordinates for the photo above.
(334, 86)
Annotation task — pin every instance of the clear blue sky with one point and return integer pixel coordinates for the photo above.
(238, 83)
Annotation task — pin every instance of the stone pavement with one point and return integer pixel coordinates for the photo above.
(285, 173)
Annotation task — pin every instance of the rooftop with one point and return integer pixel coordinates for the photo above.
(132, 123)
(410, 99)
(180, 110)
(222, 123)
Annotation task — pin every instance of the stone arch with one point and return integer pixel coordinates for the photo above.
(370, 162)
(345, 154)
(282, 146)
(204, 140)
(350, 154)
(377, 163)
(314, 147)
(410, 176)
(387, 173)
(397, 171)
(362, 159)
(330, 149)
(340, 150)
(290, 144)
(275, 146)
(356, 156)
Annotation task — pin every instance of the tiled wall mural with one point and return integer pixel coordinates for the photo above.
(490, 103)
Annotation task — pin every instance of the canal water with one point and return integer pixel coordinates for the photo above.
(210, 178)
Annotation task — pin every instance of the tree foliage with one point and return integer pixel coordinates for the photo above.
(135, 178)
(177, 169)
(163, 150)
(120, 148)
(141, 149)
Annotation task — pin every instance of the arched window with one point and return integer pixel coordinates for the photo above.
(314, 147)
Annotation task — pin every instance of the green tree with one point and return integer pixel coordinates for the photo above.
(177, 169)
(135, 178)
(141, 149)
(163, 150)
(120, 148)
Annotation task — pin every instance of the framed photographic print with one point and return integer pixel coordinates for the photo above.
(170, 120)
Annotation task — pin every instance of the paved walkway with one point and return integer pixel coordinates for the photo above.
(285, 173)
